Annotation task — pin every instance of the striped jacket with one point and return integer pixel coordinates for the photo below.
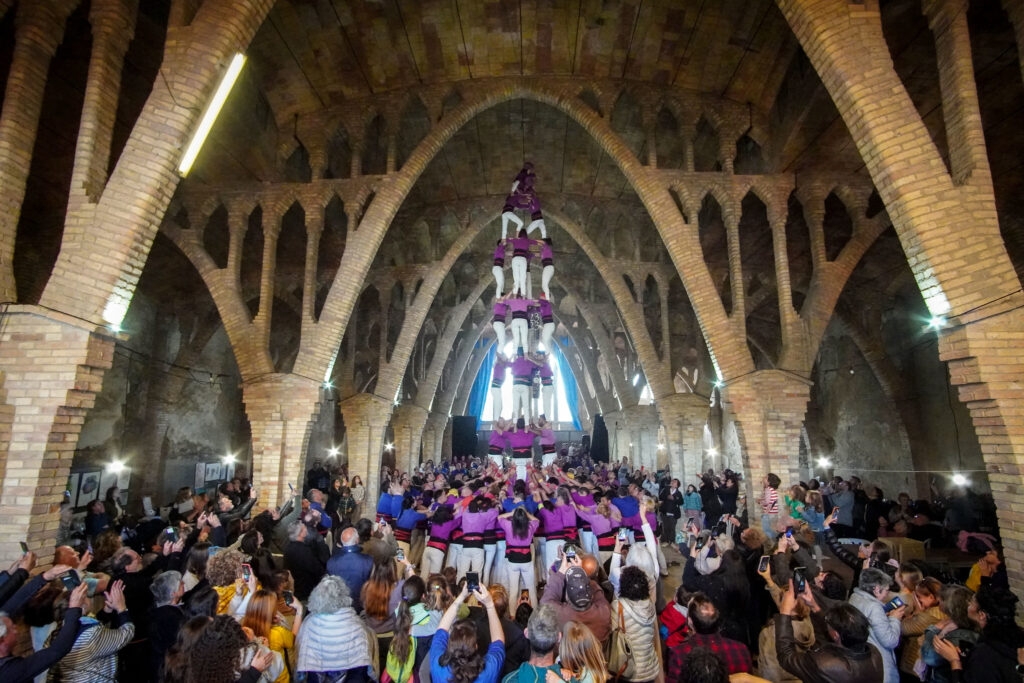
(93, 657)
(335, 642)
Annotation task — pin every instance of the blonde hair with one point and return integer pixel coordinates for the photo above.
(814, 500)
(581, 653)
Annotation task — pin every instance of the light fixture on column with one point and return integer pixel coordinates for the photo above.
(712, 452)
(937, 322)
(719, 383)
(116, 466)
(389, 447)
(229, 459)
(661, 446)
(960, 480)
(210, 115)
(824, 463)
(333, 451)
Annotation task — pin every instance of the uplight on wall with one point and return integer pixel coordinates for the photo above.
(210, 115)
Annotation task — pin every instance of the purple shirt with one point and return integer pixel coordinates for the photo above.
(598, 522)
(514, 541)
(499, 439)
(545, 309)
(500, 310)
(547, 437)
(523, 439)
(552, 520)
(521, 247)
(547, 376)
(499, 252)
(477, 522)
(522, 369)
(545, 251)
(444, 531)
(583, 499)
(518, 305)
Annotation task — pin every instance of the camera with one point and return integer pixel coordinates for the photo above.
(762, 566)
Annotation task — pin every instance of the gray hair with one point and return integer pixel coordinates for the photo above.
(164, 586)
(295, 530)
(543, 629)
(3, 626)
(330, 595)
(872, 578)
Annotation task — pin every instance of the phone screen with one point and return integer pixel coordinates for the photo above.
(246, 572)
(70, 580)
(789, 532)
(701, 542)
(623, 534)
(570, 550)
(399, 554)
(24, 548)
(288, 597)
(689, 522)
(472, 581)
(799, 579)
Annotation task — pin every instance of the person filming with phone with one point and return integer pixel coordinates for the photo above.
(574, 595)
(871, 598)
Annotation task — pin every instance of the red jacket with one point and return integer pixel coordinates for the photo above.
(674, 620)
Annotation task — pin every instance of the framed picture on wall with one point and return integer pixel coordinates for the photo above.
(121, 479)
(88, 488)
(213, 471)
(72, 487)
(200, 478)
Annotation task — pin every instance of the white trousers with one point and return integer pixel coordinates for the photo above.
(499, 279)
(519, 275)
(521, 576)
(547, 401)
(521, 333)
(496, 401)
(545, 280)
(521, 401)
(551, 549)
(471, 560)
(546, 334)
(485, 577)
(510, 217)
(433, 562)
(499, 333)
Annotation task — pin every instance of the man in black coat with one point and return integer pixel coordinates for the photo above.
(305, 557)
(671, 509)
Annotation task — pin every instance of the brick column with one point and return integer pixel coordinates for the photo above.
(51, 368)
(433, 436)
(113, 26)
(39, 30)
(408, 421)
(768, 408)
(986, 366)
(684, 417)
(281, 409)
(366, 417)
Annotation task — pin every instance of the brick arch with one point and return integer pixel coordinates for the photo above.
(316, 358)
(138, 192)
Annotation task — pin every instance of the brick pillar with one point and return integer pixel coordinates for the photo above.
(684, 417)
(408, 421)
(433, 436)
(768, 407)
(960, 110)
(39, 30)
(985, 364)
(641, 427)
(51, 368)
(366, 417)
(113, 26)
(281, 409)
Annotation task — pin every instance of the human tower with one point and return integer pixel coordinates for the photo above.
(527, 362)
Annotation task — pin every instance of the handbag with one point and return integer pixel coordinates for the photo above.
(619, 652)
